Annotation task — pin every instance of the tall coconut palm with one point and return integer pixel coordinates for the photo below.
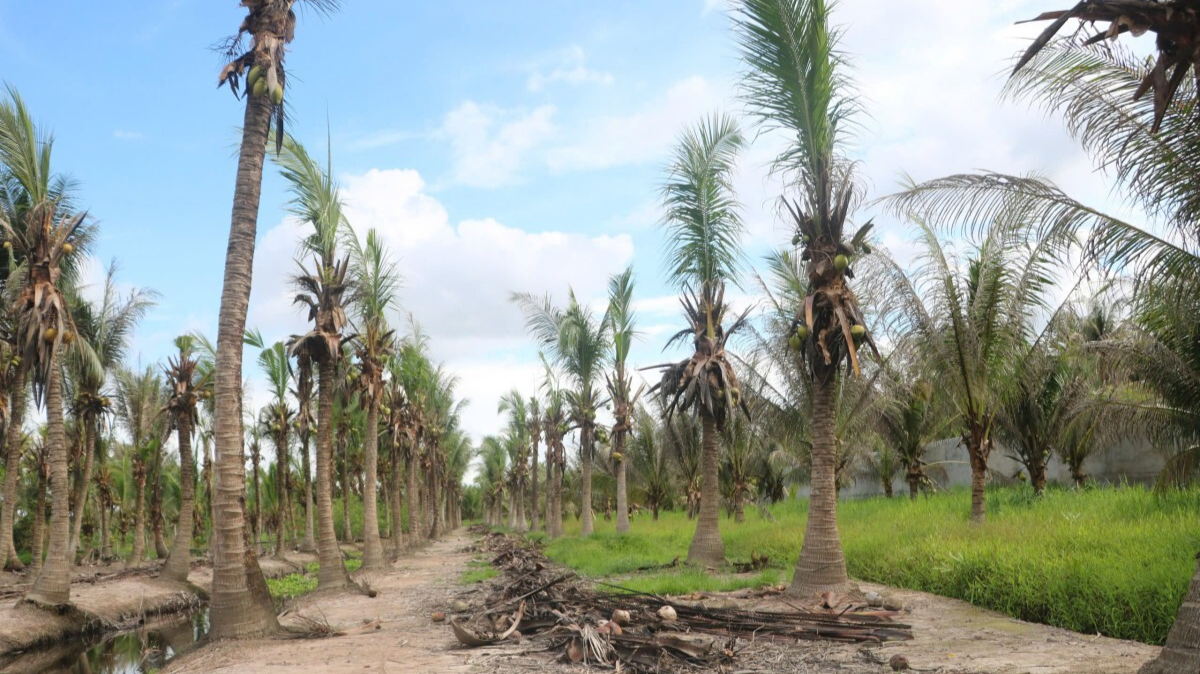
(795, 82)
(105, 331)
(401, 435)
(317, 202)
(518, 443)
(620, 319)
(241, 603)
(578, 342)
(305, 420)
(186, 388)
(704, 232)
(554, 428)
(140, 399)
(278, 415)
(376, 283)
(533, 427)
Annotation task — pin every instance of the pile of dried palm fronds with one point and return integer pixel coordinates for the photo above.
(632, 631)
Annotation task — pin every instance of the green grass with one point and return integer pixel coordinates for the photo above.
(289, 587)
(1112, 561)
(472, 576)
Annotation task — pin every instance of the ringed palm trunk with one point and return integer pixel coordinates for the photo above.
(179, 561)
(976, 451)
(12, 441)
(558, 493)
(372, 546)
(821, 566)
(707, 548)
(1181, 653)
(739, 505)
(332, 574)
(156, 515)
(53, 584)
(414, 503)
(914, 485)
(138, 555)
(622, 488)
(586, 470)
(241, 604)
(397, 502)
(37, 533)
(281, 488)
(533, 495)
(347, 534)
(85, 480)
(309, 543)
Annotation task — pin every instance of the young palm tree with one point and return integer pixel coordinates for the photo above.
(241, 603)
(554, 429)
(620, 319)
(796, 83)
(533, 427)
(517, 442)
(278, 416)
(140, 399)
(704, 232)
(376, 284)
(186, 388)
(316, 201)
(649, 460)
(578, 342)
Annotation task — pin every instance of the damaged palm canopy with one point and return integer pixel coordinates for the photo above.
(555, 610)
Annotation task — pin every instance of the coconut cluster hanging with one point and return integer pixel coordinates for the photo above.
(705, 381)
(271, 25)
(830, 326)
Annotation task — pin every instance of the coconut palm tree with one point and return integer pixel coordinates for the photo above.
(650, 462)
(241, 603)
(376, 283)
(620, 319)
(277, 416)
(186, 388)
(533, 427)
(140, 399)
(105, 331)
(323, 287)
(704, 232)
(517, 442)
(795, 82)
(578, 343)
(554, 429)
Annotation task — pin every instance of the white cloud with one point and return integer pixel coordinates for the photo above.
(457, 278)
(641, 136)
(121, 134)
(491, 145)
(567, 66)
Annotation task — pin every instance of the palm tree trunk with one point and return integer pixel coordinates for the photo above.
(332, 573)
(13, 441)
(431, 506)
(549, 489)
(343, 451)
(560, 469)
(739, 505)
(156, 515)
(978, 457)
(533, 496)
(586, 470)
(414, 503)
(85, 480)
(53, 584)
(707, 548)
(241, 604)
(179, 561)
(309, 543)
(397, 501)
(1181, 653)
(256, 514)
(914, 485)
(372, 546)
(821, 566)
(622, 488)
(139, 519)
(282, 505)
(37, 532)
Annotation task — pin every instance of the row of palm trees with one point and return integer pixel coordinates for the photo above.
(974, 342)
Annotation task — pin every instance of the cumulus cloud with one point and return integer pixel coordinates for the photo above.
(491, 144)
(457, 277)
(568, 66)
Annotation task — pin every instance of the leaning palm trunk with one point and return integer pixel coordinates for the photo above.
(85, 480)
(1181, 653)
(241, 604)
(156, 514)
(13, 442)
(821, 566)
(372, 546)
(332, 574)
(53, 584)
(707, 549)
(179, 561)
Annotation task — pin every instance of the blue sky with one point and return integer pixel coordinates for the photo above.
(498, 146)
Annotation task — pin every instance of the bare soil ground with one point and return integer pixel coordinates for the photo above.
(951, 636)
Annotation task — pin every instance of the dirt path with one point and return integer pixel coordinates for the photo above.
(952, 637)
(407, 641)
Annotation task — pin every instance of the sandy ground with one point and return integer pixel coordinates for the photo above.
(951, 636)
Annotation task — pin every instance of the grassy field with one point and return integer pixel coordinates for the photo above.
(1109, 561)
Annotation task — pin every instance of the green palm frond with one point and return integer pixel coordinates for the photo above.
(702, 222)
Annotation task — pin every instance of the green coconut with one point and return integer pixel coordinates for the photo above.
(802, 331)
(277, 95)
(254, 75)
(795, 343)
(259, 88)
(841, 262)
(858, 332)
